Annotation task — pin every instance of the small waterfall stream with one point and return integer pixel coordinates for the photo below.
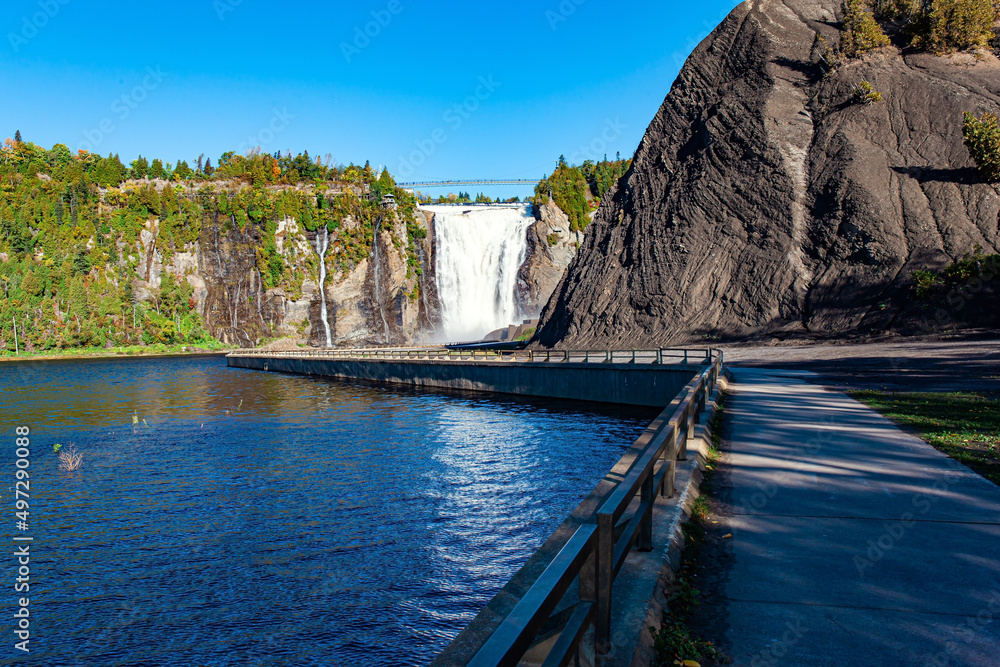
(322, 245)
(479, 250)
(378, 290)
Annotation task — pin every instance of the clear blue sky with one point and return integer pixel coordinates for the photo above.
(435, 90)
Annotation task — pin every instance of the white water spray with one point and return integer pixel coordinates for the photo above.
(322, 245)
(479, 250)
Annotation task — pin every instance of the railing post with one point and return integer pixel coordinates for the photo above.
(682, 452)
(659, 356)
(685, 356)
(647, 494)
(670, 459)
(605, 572)
(589, 584)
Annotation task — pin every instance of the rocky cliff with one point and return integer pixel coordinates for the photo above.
(552, 245)
(383, 299)
(763, 200)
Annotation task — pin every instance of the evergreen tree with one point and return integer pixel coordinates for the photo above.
(30, 284)
(140, 167)
(948, 25)
(156, 169)
(861, 32)
(17, 136)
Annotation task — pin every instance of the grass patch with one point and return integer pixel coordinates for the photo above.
(673, 642)
(527, 335)
(117, 351)
(965, 426)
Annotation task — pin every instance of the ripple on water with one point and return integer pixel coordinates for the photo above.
(255, 519)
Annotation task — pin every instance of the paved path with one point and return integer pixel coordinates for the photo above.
(852, 542)
(910, 365)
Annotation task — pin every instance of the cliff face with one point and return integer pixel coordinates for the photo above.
(762, 200)
(552, 245)
(380, 300)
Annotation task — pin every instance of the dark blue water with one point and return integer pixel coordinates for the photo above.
(261, 519)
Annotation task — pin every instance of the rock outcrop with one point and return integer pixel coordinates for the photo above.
(763, 201)
(552, 245)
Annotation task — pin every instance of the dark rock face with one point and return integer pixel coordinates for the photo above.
(763, 201)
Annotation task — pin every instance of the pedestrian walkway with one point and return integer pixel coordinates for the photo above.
(853, 543)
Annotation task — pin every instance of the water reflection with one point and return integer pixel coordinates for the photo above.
(257, 519)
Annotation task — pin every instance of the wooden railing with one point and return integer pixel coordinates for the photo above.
(595, 552)
(659, 356)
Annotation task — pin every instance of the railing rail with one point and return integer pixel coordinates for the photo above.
(597, 549)
(658, 356)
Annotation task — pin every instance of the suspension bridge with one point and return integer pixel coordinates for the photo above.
(449, 184)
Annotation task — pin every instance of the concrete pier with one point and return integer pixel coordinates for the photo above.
(648, 384)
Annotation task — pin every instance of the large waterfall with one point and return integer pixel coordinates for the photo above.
(479, 250)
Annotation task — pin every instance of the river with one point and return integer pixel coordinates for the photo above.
(262, 519)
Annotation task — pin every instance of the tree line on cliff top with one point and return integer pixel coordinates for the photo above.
(578, 190)
(73, 258)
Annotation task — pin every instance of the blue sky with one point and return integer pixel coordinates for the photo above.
(433, 90)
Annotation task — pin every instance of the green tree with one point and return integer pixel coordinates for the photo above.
(30, 285)
(182, 171)
(569, 191)
(982, 137)
(156, 169)
(861, 33)
(944, 26)
(140, 167)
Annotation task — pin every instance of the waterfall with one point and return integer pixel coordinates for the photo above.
(322, 245)
(378, 290)
(479, 250)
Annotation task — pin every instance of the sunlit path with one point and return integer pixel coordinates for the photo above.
(852, 541)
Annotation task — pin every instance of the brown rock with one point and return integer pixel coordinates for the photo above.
(762, 201)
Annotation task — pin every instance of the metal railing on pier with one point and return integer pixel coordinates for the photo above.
(592, 557)
(573, 593)
(659, 356)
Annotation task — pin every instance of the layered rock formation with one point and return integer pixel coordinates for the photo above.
(762, 200)
(552, 245)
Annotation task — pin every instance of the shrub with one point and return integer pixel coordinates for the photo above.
(70, 459)
(889, 10)
(865, 93)
(951, 25)
(982, 137)
(926, 282)
(861, 32)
